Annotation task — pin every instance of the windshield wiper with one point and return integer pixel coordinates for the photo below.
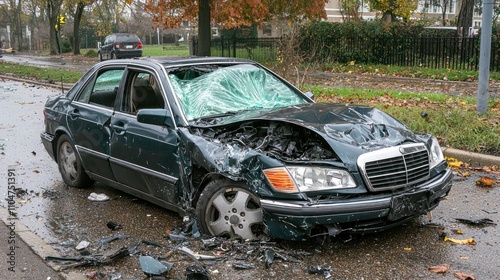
(220, 115)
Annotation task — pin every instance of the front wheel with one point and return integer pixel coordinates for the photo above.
(228, 208)
(69, 164)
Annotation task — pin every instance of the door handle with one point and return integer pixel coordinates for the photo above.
(74, 114)
(118, 128)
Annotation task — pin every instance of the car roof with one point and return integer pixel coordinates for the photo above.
(173, 61)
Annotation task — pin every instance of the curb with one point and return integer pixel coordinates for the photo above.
(474, 159)
(39, 246)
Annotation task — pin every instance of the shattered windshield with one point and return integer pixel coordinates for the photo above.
(207, 90)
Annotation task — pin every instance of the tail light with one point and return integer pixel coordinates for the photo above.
(139, 45)
(117, 45)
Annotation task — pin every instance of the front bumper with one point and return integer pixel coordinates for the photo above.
(295, 219)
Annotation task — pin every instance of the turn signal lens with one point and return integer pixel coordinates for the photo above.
(281, 180)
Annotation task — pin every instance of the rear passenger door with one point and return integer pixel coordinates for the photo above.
(89, 118)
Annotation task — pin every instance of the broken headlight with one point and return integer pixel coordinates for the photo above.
(306, 179)
(435, 154)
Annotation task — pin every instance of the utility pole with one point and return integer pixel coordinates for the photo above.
(484, 59)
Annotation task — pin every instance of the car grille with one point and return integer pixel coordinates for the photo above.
(394, 167)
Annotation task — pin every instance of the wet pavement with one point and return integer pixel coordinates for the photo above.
(64, 217)
(63, 62)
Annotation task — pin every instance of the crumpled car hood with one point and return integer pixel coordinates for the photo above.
(350, 130)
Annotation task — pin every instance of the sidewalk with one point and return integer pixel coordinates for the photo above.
(22, 253)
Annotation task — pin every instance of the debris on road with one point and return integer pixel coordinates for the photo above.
(82, 245)
(98, 197)
(477, 222)
(79, 261)
(152, 267)
(196, 271)
(242, 266)
(320, 270)
(113, 226)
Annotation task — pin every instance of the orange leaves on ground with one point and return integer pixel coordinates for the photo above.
(454, 163)
(442, 268)
(486, 182)
(464, 276)
(468, 241)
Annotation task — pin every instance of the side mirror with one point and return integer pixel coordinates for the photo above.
(309, 94)
(155, 117)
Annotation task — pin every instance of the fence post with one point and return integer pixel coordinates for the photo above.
(222, 44)
(192, 46)
(234, 45)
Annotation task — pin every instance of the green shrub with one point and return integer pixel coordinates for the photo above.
(91, 53)
(66, 47)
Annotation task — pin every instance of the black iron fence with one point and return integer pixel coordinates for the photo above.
(435, 52)
(264, 50)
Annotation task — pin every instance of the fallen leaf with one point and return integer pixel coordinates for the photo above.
(464, 276)
(453, 162)
(469, 241)
(407, 249)
(439, 268)
(485, 182)
(36, 171)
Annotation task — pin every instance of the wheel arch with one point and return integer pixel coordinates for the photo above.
(207, 177)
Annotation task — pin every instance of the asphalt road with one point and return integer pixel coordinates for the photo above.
(62, 217)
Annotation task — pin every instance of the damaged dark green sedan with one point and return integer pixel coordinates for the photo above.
(242, 151)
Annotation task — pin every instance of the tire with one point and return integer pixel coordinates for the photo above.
(227, 208)
(100, 56)
(69, 164)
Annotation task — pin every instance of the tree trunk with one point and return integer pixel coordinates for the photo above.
(204, 30)
(19, 27)
(53, 10)
(464, 20)
(76, 27)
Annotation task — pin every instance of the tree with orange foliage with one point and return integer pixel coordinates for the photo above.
(230, 14)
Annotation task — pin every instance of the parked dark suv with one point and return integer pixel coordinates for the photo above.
(120, 45)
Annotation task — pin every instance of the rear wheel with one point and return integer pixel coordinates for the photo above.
(69, 164)
(228, 208)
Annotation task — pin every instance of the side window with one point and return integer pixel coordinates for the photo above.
(142, 92)
(102, 90)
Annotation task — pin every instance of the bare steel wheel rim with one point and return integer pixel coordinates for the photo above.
(67, 157)
(235, 212)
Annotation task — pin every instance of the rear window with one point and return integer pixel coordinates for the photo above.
(127, 38)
